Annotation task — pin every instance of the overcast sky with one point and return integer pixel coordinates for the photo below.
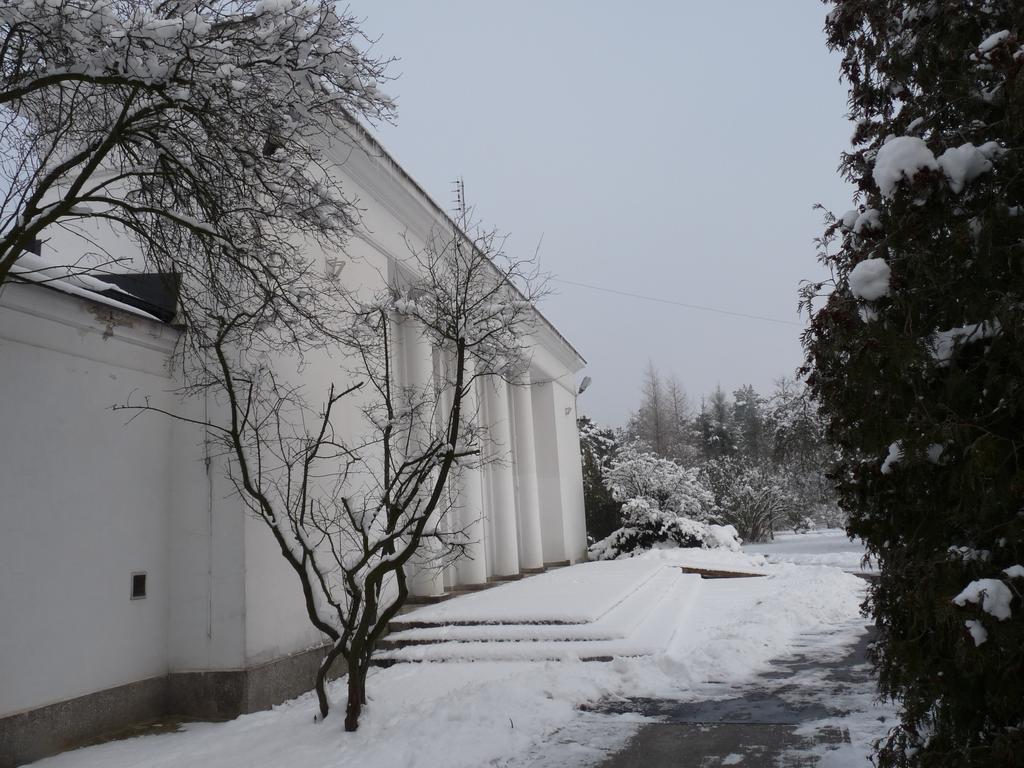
(668, 149)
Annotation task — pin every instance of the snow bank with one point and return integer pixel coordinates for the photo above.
(828, 546)
(506, 713)
(869, 280)
(900, 159)
(737, 627)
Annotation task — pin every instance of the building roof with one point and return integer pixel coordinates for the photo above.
(364, 134)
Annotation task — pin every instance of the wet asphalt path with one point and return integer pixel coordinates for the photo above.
(788, 718)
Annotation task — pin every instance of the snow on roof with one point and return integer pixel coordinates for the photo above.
(78, 281)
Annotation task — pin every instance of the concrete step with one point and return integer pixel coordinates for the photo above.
(461, 589)
(596, 640)
(402, 626)
(385, 662)
(420, 600)
(413, 602)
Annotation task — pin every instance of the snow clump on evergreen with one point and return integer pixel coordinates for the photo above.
(993, 595)
(869, 280)
(978, 632)
(993, 41)
(963, 164)
(901, 158)
(849, 219)
(944, 344)
(871, 219)
(895, 456)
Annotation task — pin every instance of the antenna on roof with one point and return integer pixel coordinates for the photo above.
(460, 197)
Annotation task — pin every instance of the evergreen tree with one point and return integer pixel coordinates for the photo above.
(598, 448)
(917, 357)
(748, 418)
(714, 426)
(795, 427)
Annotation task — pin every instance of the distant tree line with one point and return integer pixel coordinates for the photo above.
(762, 458)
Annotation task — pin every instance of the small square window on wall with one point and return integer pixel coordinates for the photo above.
(138, 585)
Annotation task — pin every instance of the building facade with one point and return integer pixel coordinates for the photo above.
(133, 584)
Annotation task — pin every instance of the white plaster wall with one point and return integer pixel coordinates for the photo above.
(143, 498)
(84, 499)
(276, 619)
(206, 542)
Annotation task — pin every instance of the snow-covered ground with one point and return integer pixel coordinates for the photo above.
(513, 713)
(827, 546)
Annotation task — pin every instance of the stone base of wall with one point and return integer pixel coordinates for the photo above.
(210, 695)
(36, 733)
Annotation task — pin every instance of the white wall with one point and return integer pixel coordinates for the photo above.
(84, 501)
(206, 542)
(276, 619)
(87, 500)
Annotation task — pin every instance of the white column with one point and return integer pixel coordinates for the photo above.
(502, 514)
(471, 568)
(549, 480)
(427, 578)
(531, 548)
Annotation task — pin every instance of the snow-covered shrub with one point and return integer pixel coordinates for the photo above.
(801, 524)
(664, 504)
(722, 537)
(753, 499)
(646, 527)
(637, 474)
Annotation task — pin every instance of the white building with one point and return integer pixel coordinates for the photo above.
(132, 583)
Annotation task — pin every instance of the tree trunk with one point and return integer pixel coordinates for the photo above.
(356, 694)
(321, 679)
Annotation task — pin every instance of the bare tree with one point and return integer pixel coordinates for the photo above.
(352, 508)
(201, 130)
(648, 423)
(678, 423)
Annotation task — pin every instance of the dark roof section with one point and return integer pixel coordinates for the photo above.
(152, 292)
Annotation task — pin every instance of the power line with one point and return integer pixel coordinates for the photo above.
(700, 307)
